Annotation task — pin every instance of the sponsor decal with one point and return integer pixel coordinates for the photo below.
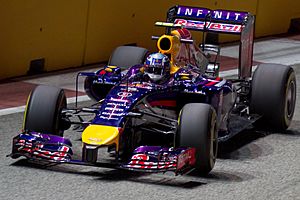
(130, 89)
(132, 85)
(201, 13)
(186, 158)
(150, 165)
(214, 82)
(124, 94)
(118, 100)
(108, 118)
(114, 109)
(116, 106)
(112, 113)
(64, 148)
(212, 26)
(140, 157)
(95, 139)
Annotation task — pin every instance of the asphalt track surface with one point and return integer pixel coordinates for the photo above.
(253, 165)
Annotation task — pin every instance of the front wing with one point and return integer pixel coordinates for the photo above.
(52, 148)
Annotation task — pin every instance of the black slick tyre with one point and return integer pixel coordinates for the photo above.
(273, 96)
(197, 128)
(127, 56)
(43, 110)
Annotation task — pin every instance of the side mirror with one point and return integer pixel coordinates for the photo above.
(213, 69)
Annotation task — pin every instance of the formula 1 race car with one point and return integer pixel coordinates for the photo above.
(164, 111)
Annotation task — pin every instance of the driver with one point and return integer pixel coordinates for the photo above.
(157, 67)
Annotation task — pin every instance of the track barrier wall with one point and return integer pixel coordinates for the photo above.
(52, 35)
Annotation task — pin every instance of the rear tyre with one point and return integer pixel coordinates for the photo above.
(127, 56)
(43, 111)
(197, 128)
(273, 96)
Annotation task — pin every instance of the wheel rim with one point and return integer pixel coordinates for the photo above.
(58, 121)
(214, 141)
(290, 100)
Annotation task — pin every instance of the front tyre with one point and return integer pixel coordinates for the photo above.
(43, 111)
(197, 128)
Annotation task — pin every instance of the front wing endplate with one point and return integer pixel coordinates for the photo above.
(161, 159)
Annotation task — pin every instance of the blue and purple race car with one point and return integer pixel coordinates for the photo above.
(163, 111)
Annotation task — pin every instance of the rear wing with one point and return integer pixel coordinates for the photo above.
(218, 21)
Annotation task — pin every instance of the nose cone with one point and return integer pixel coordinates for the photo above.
(100, 135)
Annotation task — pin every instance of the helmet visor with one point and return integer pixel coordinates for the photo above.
(155, 69)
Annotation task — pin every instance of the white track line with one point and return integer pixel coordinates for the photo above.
(18, 109)
(228, 73)
(79, 99)
(8, 111)
(233, 72)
